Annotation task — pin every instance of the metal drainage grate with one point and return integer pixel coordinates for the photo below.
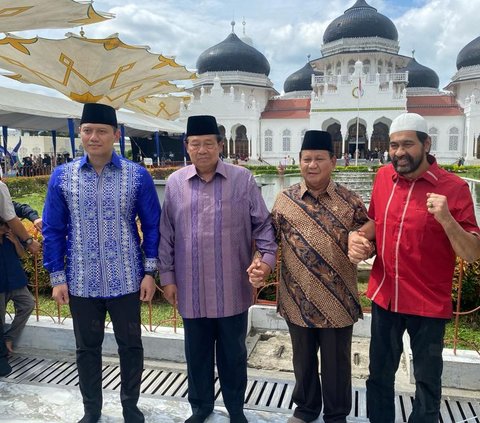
(262, 394)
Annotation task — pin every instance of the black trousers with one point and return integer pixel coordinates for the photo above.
(223, 338)
(89, 326)
(386, 346)
(334, 391)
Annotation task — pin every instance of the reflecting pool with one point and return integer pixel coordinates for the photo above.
(360, 182)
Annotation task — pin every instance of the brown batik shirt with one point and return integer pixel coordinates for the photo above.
(318, 284)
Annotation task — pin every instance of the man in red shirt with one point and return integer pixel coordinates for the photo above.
(422, 217)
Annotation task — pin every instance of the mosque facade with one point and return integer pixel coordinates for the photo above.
(354, 91)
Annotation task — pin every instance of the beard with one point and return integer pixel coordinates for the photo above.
(411, 165)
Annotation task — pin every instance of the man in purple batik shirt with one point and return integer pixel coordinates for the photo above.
(212, 214)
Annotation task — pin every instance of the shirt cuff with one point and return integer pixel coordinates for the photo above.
(58, 278)
(167, 278)
(150, 264)
(270, 259)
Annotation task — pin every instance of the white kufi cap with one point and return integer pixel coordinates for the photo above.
(409, 122)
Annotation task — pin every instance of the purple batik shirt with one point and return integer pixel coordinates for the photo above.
(208, 229)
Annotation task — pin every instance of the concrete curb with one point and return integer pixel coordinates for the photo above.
(461, 371)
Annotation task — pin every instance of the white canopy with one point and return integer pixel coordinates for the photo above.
(37, 112)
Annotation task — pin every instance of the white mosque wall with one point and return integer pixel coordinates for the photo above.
(448, 138)
(466, 83)
(237, 106)
(286, 139)
(472, 126)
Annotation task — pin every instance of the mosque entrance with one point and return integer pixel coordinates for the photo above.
(352, 140)
(221, 129)
(335, 131)
(241, 149)
(380, 139)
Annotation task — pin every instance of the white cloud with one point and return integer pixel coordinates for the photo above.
(285, 31)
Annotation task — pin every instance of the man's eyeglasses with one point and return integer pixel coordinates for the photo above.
(207, 145)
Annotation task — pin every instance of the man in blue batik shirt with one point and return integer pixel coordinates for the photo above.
(89, 219)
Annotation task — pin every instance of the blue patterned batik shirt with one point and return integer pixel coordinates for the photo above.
(90, 219)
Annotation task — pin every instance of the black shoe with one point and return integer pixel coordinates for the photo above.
(133, 415)
(90, 418)
(197, 418)
(238, 418)
(5, 368)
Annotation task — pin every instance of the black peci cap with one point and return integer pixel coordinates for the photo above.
(202, 125)
(99, 113)
(317, 140)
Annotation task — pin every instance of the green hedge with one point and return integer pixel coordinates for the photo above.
(24, 185)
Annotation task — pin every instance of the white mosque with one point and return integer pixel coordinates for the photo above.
(359, 77)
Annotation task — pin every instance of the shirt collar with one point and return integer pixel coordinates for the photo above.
(330, 188)
(432, 174)
(115, 160)
(221, 169)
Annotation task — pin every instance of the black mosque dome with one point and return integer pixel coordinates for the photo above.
(301, 80)
(232, 54)
(420, 76)
(469, 55)
(361, 20)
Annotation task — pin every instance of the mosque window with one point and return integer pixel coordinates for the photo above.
(351, 67)
(380, 66)
(433, 133)
(338, 68)
(329, 69)
(453, 139)
(286, 137)
(366, 66)
(268, 140)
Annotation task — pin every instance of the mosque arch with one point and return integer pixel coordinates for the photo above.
(380, 139)
(222, 131)
(241, 148)
(351, 142)
(335, 130)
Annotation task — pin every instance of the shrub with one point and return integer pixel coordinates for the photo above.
(24, 185)
(470, 298)
(29, 264)
(162, 172)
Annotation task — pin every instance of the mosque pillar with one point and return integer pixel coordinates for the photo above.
(227, 140)
(345, 141)
(369, 139)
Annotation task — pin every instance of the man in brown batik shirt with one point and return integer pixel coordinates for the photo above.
(318, 294)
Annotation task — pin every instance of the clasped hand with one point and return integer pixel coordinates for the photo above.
(258, 272)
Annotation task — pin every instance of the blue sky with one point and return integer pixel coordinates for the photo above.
(285, 31)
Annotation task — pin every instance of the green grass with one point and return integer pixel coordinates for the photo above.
(468, 330)
(468, 333)
(162, 312)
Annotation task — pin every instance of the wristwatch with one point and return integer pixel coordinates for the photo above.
(149, 273)
(27, 242)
